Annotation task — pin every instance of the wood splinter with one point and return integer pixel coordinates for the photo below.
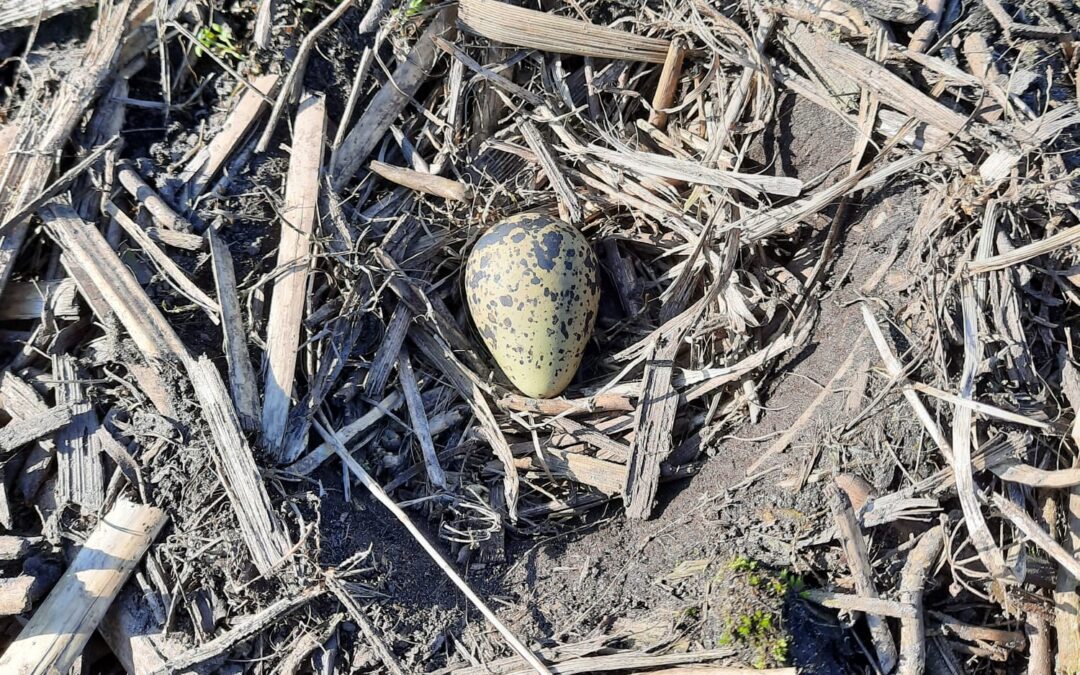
(293, 261)
(668, 84)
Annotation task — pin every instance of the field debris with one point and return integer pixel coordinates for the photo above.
(833, 380)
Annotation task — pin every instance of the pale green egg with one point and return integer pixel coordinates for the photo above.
(533, 287)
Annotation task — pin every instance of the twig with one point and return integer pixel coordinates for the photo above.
(569, 205)
(202, 168)
(654, 423)
(290, 90)
(27, 167)
(1036, 534)
(896, 371)
(243, 384)
(522, 27)
(149, 198)
(422, 182)
(855, 549)
(668, 85)
(244, 628)
(314, 459)
(60, 184)
(176, 277)
(858, 603)
(966, 490)
(919, 566)
(372, 634)
(789, 434)
(388, 103)
(1067, 237)
(377, 492)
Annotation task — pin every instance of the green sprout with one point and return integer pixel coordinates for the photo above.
(743, 564)
(217, 38)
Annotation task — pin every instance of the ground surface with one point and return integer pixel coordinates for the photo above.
(722, 559)
(605, 574)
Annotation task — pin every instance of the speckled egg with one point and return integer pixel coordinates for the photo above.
(533, 288)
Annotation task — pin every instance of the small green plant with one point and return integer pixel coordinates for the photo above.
(786, 581)
(691, 613)
(414, 8)
(217, 38)
(780, 649)
(760, 633)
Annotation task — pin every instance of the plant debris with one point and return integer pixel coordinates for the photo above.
(825, 420)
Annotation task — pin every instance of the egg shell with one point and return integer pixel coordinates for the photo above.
(533, 288)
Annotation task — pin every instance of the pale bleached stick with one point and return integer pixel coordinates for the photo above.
(87, 254)
(60, 184)
(290, 90)
(371, 633)
(260, 527)
(668, 84)
(855, 550)
(569, 205)
(15, 13)
(383, 498)
(200, 170)
(1066, 238)
(925, 33)
(19, 432)
(523, 27)
(60, 628)
(966, 490)
(79, 470)
(243, 629)
(976, 406)
(17, 594)
(422, 182)
(1036, 534)
(1066, 600)
(294, 258)
(162, 212)
(858, 603)
(26, 300)
(264, 23)
(789, 434)
(896, 371)
(26, 168)
(314, 459)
